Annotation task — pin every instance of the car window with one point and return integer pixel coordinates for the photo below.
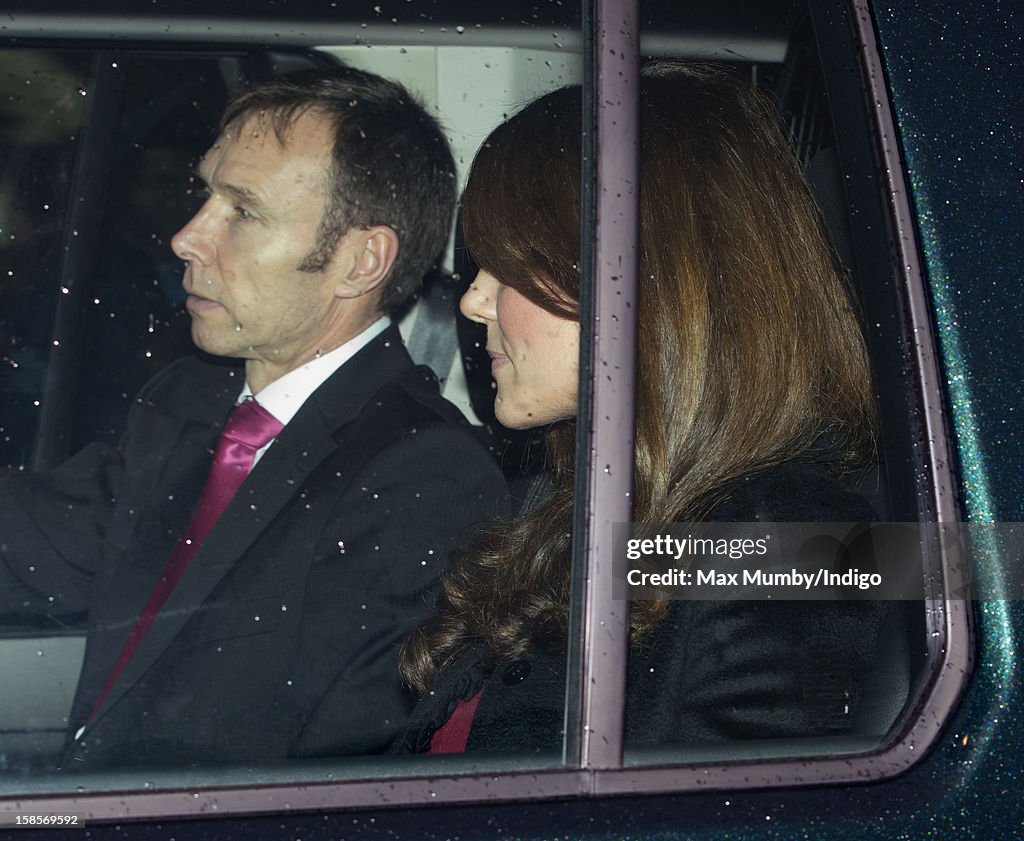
(101, 142)
(101, 313)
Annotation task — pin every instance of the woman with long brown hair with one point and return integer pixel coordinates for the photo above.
(753, 396)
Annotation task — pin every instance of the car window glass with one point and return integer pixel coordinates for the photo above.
(854, 706)
(45, 110)
(101, 152)
(100, 144)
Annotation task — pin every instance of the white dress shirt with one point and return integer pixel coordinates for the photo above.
(284, 396)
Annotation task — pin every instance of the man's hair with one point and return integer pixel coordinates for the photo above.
(391, 165)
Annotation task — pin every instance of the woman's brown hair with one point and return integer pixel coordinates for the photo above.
(750, 353)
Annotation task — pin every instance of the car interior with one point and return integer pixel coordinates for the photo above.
(94, 181)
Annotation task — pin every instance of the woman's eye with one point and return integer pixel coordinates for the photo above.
(242, 213)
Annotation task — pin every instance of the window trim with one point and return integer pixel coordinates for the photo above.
(609, 231)
(113, 29)
(596, 756)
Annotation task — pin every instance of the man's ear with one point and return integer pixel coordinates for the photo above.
(368, 256)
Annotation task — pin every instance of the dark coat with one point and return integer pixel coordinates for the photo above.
(281, 638)
(712, 670)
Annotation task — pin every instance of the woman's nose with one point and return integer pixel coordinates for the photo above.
(479, 302)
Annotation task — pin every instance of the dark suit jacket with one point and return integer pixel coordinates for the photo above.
(281, 638)
(710, 671)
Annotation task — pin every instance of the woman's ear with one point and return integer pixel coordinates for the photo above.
(368, 255)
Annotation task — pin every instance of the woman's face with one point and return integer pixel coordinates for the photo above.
(534, 354)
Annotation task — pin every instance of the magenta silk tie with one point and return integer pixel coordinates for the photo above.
(249, 428)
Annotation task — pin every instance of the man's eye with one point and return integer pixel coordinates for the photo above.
(242, 213)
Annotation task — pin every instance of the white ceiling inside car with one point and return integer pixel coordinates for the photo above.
(470, 89)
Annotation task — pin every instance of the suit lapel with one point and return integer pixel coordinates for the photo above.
(310, 438)
(154, 508)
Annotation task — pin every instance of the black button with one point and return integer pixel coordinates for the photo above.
(516, 672)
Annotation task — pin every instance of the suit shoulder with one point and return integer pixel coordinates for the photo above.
(406, 417)
(418, 391)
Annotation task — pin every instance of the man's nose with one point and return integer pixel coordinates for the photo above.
(479, 301)
(194, 242)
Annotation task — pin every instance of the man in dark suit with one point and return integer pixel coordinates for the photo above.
(245, 594)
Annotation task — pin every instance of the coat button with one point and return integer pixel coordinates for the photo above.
(516, 672)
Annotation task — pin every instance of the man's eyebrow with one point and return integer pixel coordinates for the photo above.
(242, 194)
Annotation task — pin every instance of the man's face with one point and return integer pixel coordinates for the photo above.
(244, 246)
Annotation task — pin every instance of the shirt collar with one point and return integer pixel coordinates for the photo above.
(284, 396)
